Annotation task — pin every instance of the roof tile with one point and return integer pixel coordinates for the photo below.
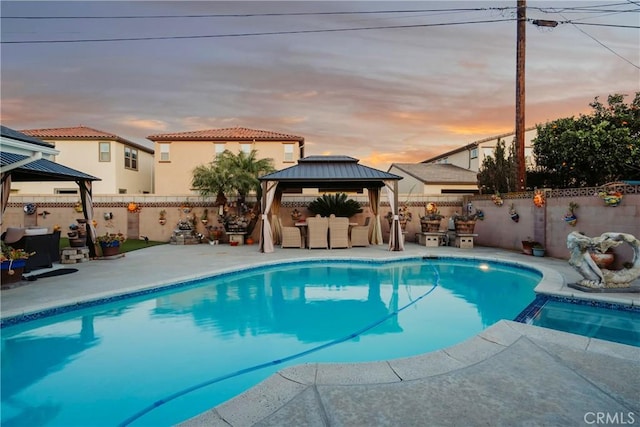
(227, 134)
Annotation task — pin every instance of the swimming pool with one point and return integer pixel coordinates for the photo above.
(108, 364)
(611, 322)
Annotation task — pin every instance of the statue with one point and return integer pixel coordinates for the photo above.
(594, 277)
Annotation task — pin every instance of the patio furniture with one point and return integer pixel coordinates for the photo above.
(317, 229)
(291, 236)
(360, 234)
(338, 232)
(43, 245)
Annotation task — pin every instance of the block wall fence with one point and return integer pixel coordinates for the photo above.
(544, 224)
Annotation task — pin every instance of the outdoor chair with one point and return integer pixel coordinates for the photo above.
(317, 228)
(338, 232)
(291, 236)
(360, 234)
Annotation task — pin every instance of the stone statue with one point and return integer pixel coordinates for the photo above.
(594, 277)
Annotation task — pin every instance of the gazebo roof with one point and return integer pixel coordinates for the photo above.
(330, 172)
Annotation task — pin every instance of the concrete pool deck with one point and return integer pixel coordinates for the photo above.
(510, 374)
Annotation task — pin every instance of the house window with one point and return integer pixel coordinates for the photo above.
(130, 158)
(105, 152)
(219, 148)
(164, 153)
(474, 153)
(288, 152)
(65, 191)
(245, 148)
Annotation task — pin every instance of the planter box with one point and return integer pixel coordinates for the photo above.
(17, 267)
(430, 226)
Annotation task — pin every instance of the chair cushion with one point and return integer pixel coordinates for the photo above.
(35, 231)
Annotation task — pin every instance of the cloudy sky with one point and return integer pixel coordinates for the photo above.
(442, 77)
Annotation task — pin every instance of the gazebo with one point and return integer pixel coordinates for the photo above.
(330, 173)
(22, 160)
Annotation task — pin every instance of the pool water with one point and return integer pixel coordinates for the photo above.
(108, 364)
(621, 326)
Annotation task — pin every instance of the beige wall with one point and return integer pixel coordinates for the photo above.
(84, 157)
(497, 229)
(174, 176)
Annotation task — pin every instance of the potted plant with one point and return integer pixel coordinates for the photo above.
(110, 243)
(404, 215)
(513, 214)
(464, 224)
(538, 249)
(430, 222)
(13, 263)
(527, 246)
(204, 218)
(215, 234)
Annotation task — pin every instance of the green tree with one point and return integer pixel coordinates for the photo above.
(593, 149)
(231, 172)
(497, 173)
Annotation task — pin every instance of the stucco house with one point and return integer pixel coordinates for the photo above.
(179, 153)
(431, 179)
(472, 155)
(125, 167)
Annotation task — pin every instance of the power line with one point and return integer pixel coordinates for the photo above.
(210, 36)
(250, 15)
(576, 25)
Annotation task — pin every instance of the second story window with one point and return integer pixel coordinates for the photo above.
(105, 152)
(245, 148)
(288, 152)
(130, 158)
(474, 153)
(219, 148)
(164, 153)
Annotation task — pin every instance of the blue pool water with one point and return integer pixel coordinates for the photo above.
(620, 325)
(108, 364)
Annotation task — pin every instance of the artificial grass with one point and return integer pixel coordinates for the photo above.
(128, 245)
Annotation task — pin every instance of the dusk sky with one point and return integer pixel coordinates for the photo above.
(382, 95)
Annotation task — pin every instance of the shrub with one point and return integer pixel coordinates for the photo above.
(336, 204)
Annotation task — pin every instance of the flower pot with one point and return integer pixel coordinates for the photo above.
(465, 227)
(538, 251)
(13, 274)
(110, 249)
(430, 225)
(603, 260)
(162, 221)
(570, 219)
(527, 247)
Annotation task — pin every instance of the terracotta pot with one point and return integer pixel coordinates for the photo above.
(110, 250)
(14, 274)
(603, 260)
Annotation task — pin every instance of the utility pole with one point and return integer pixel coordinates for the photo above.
(521, 183)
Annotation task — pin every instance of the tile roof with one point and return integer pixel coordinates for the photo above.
(438, 173)
(80, 132)
(227, 134)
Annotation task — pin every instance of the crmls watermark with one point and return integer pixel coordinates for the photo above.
(610, 418)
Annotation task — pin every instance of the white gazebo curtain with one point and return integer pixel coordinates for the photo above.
(266, 236)
(396, 238)
(87, 207)
(375, 234)
(6, 190)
